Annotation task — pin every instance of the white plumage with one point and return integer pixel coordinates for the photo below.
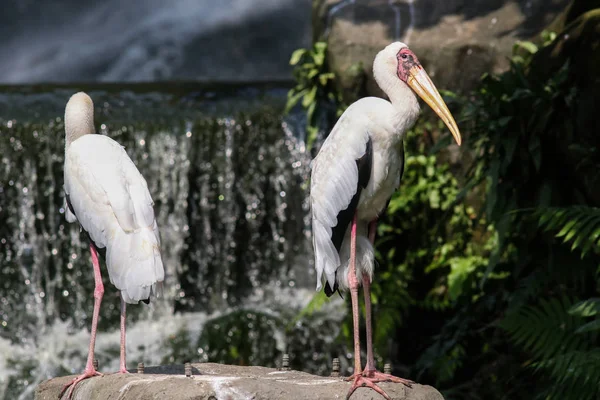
(109, 197)
(355, 173)
(334, 178)
(112, 203)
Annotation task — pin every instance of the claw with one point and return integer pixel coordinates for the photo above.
(376, 376)
(71, 385)
(361, 381)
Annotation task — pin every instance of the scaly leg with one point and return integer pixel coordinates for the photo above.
(89, 370)
(370, 371)
(357, 377)
(123, 366)
(353, 284)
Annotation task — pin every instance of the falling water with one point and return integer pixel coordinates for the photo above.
(231, 203)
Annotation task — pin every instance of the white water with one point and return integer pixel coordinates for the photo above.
(48, 260)
(60, 348)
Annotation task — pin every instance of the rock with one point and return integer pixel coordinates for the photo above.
(224, 382)
(456, 40)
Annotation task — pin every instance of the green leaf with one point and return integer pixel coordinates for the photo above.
(319, 59)
(310, 111)
(566, 228)
(586, 308)
(529, 46)
(297, 55)
(313, 72)
(309, 97)
(293, 98)
(589, 327)
(320, 47)
(323, 78)
(461, 268)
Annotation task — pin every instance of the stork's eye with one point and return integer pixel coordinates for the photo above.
(404, 56)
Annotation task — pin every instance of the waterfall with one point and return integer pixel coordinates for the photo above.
(231, 203)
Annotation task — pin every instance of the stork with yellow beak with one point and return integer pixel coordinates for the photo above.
(357, 170)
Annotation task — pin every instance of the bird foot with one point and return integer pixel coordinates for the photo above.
(376, 376)
(362, 381)
(87, 373)
(123, 370)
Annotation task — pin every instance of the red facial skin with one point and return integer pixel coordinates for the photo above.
(406, 61)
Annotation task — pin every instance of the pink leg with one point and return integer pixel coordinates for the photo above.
(358, 379)
(123, 365)
(89, 370)
(353, 283)
(370, 371)
(367, 293)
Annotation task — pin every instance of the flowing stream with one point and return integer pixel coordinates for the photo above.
(230, 196)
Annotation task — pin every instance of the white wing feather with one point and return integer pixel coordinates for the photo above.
(112, 203)
(334, 180)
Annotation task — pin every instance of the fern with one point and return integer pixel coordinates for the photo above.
(579, 225)
(550, 332)
(588, 308)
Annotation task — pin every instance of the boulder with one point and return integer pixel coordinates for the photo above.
(224, 382)
(456, 40)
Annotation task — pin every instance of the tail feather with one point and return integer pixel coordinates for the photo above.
(327, 259)
(135, 265)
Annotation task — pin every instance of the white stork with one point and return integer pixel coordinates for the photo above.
(109, 197)
(357, 170)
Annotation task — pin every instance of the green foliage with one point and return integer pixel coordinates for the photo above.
(521, 126)
(553, 335)
(509, 272)
(587, 308)
(579, 225)
(517, 125)
(488, 284)
(314, 86)
(242, 337)
(426, 237)
(318, 301)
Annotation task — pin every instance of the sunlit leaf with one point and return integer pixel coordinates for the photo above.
(297, 55)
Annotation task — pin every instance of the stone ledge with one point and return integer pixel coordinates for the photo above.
(224, 382)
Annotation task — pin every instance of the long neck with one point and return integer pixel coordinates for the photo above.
(78, 123)
(401, 96)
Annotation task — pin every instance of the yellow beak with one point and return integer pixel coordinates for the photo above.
(420, 82)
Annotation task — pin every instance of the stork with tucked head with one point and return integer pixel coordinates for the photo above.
(109, 197)
(355, 173)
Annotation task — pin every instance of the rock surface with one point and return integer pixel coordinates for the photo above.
(224, 382)
(456, 40)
